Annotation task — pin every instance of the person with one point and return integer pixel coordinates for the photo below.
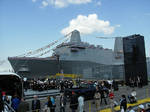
(15, 102)
(97, 99)
(4, 95)
(130, 109)
(115, 85)
(36, 105)
(25, 84)
(111, 96)
(81, 102)
(132, 96)
(141, 108)
(123, 103)
(103, 96)
(62, 86)
(23, 106)
(47, 105)
(62, 102)
(8, 99)
(73, 102)
(138, 81)
(132, 82)
(51, 104)
(1, 102)
(147, 108)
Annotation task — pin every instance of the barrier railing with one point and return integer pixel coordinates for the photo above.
(7, 107)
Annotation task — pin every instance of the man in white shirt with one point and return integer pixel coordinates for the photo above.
(81, 103)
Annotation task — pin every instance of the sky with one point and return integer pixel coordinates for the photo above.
(26, 25)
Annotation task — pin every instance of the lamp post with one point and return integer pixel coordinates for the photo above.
(112, 92)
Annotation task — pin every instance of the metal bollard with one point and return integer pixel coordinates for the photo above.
(147, 92)
(89, 106)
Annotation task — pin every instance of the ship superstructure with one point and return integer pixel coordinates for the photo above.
(74, 57)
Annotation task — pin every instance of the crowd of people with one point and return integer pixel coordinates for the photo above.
(103, 92)
(20, 105)
(47, 84)
(135, 81)
(14, 103)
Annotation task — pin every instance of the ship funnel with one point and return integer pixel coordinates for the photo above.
(75, 37)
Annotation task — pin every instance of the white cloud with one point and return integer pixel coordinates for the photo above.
(78, 1)
(118, 25)
(89, 24)
(99, 3)
(44, 3)
(34, 0)
(63, 3)
(60, 3)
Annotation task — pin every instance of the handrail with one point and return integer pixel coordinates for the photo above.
(9, 107)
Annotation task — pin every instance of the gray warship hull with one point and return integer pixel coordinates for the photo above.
(37, 67)
(75, 57)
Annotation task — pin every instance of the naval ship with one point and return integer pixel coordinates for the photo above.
(74, 57)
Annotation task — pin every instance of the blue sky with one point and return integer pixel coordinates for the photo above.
(26, 25)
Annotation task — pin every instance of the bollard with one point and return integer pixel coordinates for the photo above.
(111, 96)
(89, 106)
(147, 92)
(111, 105)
